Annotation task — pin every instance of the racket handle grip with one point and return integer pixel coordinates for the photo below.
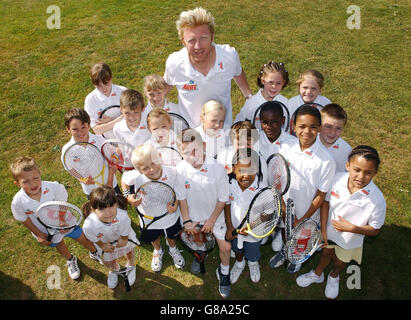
(127, 284)
(234, 232)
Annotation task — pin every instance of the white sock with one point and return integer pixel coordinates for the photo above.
(225, 270)
(240, 263)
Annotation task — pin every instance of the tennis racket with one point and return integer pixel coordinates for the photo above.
(292, 128)
(278, 173)
(117, 260)
(118, 153)
(289, 218)
(170, 156)
(256, 118)
(179, 123)
(304, 240)
(111, 112)
(83, 160)
(199, 244)
(262, 215)
(155, 197)
(58, 216)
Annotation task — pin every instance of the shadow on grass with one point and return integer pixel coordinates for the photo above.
(14, 289)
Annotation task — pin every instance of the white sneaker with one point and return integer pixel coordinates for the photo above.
(255, 274)
(308, 278)
(178, 259)
(112, 280)
(277, 242)
(332, 287)
(73, 269)
(236, 271)
(157, 261)
(132, 275)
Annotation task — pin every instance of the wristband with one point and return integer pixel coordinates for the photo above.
(187, 221)
(126, 193)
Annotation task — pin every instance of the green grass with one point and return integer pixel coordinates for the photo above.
(45, 72)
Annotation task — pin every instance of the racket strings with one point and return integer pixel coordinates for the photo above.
(303, 240)
(118, 153)
(155, 198)
(84, 161)
(59, 216)
(178, 123)
(200, 241)
(170, 156)
(264, 213)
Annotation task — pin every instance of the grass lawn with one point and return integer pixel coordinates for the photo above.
(44, 73)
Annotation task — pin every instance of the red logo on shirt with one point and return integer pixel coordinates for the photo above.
(365, 192)
(28, 211)
(204, 170)
(164, 179)
(46, 191)
(187, 185)
(231, 197)
(277, 143)
(309, 153)
(221, 65)
(251, 188)
(335, 194)
(100, 235)
(336, 146)
(190, 86)
(113, 94)
(93, 141)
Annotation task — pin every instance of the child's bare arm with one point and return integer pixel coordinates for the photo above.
(209, 224)
(315, 204)
(41, 236)
(106, 124)
(343, 225)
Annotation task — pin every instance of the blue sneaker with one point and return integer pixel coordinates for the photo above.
(224, 286)
(277, 260)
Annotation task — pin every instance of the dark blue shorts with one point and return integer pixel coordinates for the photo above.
(75, 234)
(251, 250)
(172, 232)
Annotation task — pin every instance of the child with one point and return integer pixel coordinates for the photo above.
(309, 85)
(273, 139)
(245, 182)
(206, 186)
(333, 119)
(77, 123)
(34, 192)
(355, 207)
(107, 221)
(133, 128)
(211, 128)
(272, 78)
(147, 161)
(104, 95)
(156, 89)
(312, 169)
(159, 124)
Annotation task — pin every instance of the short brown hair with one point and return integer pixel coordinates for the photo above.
(76, 113)
(335, 111)
(100, 72)
(21, 164)
(131, 99)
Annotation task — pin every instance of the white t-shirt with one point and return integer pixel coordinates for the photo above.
(121, 131)
(96, 102)
(310, 170)
(251, 105)
(214, 144)
(340, 151)
(171, 140)
(239, 201)
(96, 140)
(168, 106)
(297, 101)
(96, 230)
(267, 148)
(204, 188)
(364, 207)
(170, 177)
(23, 207)
(195, 89)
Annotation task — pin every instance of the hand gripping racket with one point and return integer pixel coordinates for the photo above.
(179, 123)
(112, 112)
(169, 156)
(304, 241)
(83, 160)
(257, 121)
(118, 153)
(199, 244)
(155, 197)
(262, 215)
(58, 216)
(292, 128)
(278, 173)
(116, 261)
